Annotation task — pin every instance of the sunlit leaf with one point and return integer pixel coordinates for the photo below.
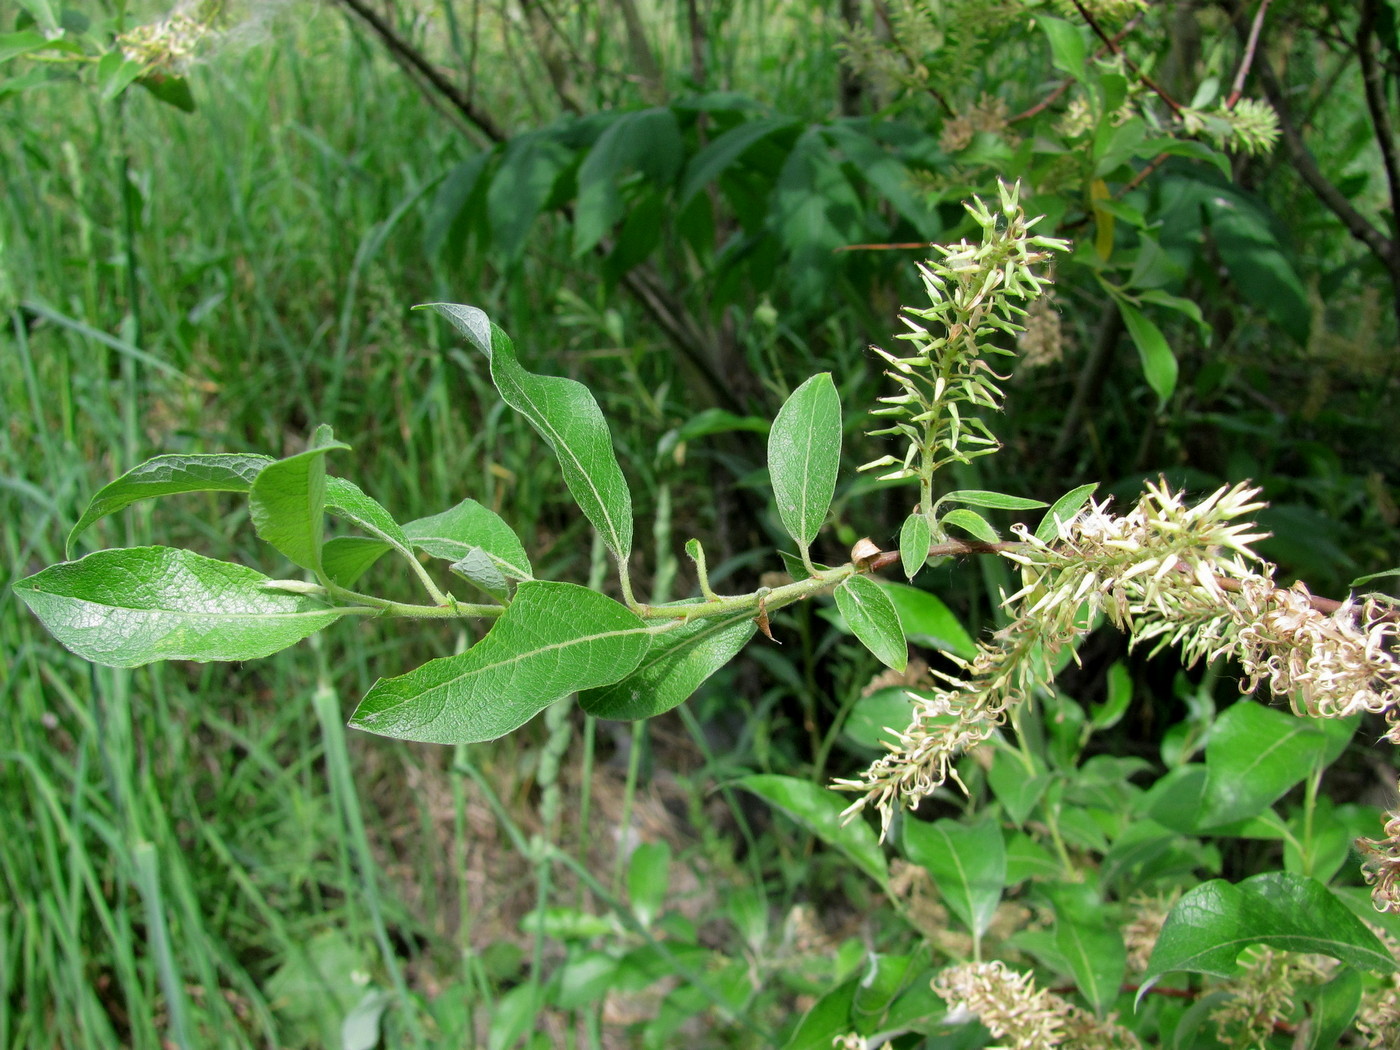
(553, 639)
(136, 605)
(804, 451)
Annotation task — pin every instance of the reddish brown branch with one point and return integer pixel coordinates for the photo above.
(1112, 44)
(1237, 89)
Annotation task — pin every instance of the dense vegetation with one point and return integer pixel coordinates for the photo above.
(213, 230)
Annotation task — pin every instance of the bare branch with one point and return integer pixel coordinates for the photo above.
(1237, 89)
(423, 72)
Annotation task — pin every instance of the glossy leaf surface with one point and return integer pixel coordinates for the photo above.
(567, 417)
(135, 605)
(1211, 924)
(819, 811)
(915, 538)
(554, 639)
(453, 534)
(288, 504)
(872, 618)
(804, 451)
(673, 668)
(167, 476)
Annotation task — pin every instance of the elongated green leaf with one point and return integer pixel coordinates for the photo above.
(925, 620)
(967, 862)
(12, 44)
(1260, 266)
(973, 523)
(915, 538)
(554, 639)
(454, 534)
(288, 503)
(1063, 509)
(346, 500)
(646, 141)
(994, 500)
(1212, 923)
(872, 618)
(724, 151)
(168, 475)
(819, 810)
(804, 451)
(530, 165)
(1090, 943)
(647, 875)
(567, 417)
(1255, 754)
(1158, 362)
(1334, 1008)
(135, 605)
(673, 668)
(1067, 48)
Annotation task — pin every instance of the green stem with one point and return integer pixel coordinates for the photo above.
(369, 605)
(772, 599)
(437, 595)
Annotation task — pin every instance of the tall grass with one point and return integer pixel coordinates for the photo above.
(188, 858)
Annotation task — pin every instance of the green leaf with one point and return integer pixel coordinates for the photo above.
(173, 91)
(647, 878)
(828, 1019)
(344, 559)
(478, 567)
(967, 862)
(1259, 264)
(288, 502)
(804, 451)
(878, 718)
(347, 500)
(973, 523)
(554, 639)
(873, 619)
(115, 72)
(530, 166)
(915, 538)
(1334, 1008)
(1089, 942)
(819, 810)
(647, 141)
(1120, 694)
(1158, 362)
(453, 534)
(724, 151)
(166, 476)
(983, 498)
(1253, 755)
(1211, 924)
(673, 668)
(135, 605)
(926, 621)
(14, 44)
(1067, 48)
(567, 417)
(1064, 508)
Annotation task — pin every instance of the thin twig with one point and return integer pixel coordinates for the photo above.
(1112, 44)
(1356, 224)
(1237, 89)
(412, 59)
(1068, 82)
(1379, 108)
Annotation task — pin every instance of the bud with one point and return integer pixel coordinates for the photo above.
(863, 553)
